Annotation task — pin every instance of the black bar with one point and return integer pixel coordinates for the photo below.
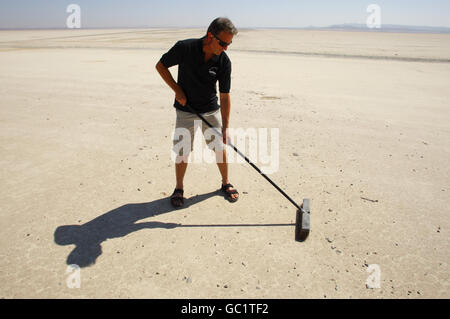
(224, 308)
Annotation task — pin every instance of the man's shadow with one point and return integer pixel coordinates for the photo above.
(120, 222)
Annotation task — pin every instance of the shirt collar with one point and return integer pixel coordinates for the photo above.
(214, 58)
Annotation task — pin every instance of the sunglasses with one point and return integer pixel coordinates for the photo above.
(221, 43)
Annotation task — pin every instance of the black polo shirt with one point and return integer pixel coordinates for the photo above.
(197, 78)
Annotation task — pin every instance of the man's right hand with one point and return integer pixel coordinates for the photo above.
(180, 97)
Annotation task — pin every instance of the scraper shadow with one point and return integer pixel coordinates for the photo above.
(118, 222)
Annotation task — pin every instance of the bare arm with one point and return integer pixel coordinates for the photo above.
(225, 106)
(168, 78)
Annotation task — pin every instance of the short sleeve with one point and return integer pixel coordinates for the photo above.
(174, 56)
(225, 78)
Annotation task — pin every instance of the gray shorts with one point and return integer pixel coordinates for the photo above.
(186, 123)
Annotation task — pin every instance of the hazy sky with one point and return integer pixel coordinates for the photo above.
(243, 13)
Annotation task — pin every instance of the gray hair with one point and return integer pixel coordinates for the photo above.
(222, 24)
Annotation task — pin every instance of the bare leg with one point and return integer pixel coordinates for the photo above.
(180, 170)
(221, 159)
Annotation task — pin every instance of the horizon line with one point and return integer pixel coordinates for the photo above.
(335, 27)
(347, 24)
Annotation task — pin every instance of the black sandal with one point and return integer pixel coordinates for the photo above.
(229, 193)
(176, 200)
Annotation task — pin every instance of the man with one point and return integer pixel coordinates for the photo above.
(201, 64)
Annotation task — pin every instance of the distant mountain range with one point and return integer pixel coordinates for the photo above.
(383, 28)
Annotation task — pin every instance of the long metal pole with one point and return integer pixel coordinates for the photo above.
(248, 161)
